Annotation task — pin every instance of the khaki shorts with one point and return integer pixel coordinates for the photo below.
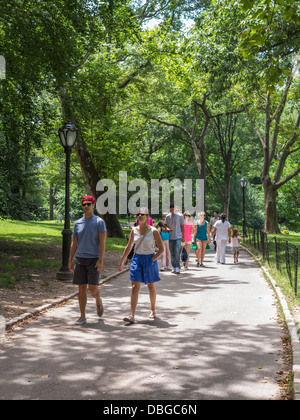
(85, 271)
(186, 243)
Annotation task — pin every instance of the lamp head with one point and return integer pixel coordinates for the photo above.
(68, 134)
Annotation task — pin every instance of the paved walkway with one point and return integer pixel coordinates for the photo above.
(216, 337)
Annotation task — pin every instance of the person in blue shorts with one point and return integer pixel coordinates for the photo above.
(88, 245)
(143, 268)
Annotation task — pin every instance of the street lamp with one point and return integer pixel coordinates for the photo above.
(243, 183)
(67, 135)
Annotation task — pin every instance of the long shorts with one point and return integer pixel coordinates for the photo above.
(85, 271)
(143, 269)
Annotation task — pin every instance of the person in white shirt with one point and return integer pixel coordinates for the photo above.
(222, 230)
(235, 243)
(143, 268)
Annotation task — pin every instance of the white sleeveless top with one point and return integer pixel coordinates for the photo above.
(148, 245)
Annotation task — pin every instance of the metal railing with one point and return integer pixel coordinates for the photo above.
(278, 252)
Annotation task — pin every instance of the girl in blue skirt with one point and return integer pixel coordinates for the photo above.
(144, 268)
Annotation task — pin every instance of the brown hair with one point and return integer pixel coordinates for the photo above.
(223, 217)
(235, 233)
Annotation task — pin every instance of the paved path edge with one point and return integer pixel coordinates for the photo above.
(291, 325)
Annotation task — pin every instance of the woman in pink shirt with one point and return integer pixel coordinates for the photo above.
(188, 230)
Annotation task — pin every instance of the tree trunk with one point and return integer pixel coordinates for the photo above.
(226, 199)
(91, 175)
(51, 201)
(271, 215)
(87, 166)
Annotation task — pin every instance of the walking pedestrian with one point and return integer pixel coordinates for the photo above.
(164, 234)
(202, 238)
(235, 243)
(144, 268)
(212, 221)
(175, 223)
(222, 230)
(88, 245)
(188, 230)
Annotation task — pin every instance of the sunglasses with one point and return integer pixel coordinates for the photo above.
(140, 214)
(86, 204)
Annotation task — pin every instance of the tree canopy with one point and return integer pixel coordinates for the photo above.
(160, 89)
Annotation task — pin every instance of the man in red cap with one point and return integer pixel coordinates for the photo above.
(88, 245)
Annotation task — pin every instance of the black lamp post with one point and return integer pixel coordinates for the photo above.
(243, 183)
(67, 135)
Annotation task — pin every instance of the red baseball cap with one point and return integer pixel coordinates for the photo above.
(88, 198)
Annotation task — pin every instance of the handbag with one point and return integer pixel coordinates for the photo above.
(184, 255)
(194, 246)
(131, 253)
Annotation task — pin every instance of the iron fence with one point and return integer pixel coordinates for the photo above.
(278, 252)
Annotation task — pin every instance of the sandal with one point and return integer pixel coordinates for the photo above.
(152, 315)
(129, 319)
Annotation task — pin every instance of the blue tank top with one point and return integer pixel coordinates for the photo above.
(164, 236)
(202, 232)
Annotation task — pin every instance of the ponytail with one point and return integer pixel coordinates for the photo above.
(223, 217)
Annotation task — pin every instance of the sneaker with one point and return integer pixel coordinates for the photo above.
(201, 265)
(100, 309)
(173, 270)
(177, 270)
(162, 269)
(198, 264)
(80, 321)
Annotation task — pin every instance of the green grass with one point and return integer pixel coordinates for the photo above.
(45, 232)
(293, 237)
(281, 277)
(28, 243)
(7, 281)
(39, 264)
(7, 267)
(30, 232)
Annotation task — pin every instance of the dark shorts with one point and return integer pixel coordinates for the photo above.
(85, 271)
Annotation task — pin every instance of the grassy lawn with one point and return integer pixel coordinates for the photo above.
(293, 237)
(30, 232)
(45, 232)
(26, 244)
(281, 277)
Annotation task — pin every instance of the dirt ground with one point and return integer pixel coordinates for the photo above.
(36, 287)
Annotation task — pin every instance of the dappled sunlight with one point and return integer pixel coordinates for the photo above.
(199, 346)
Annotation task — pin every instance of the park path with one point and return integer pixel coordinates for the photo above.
(216, 337)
